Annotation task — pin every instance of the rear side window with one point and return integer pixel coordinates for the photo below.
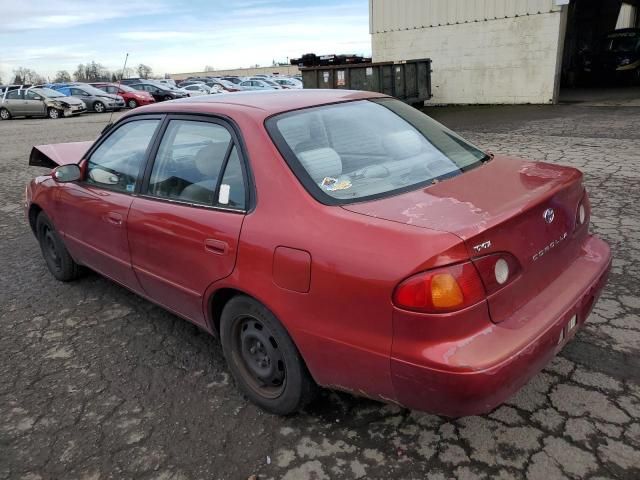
(116, 163)
(189, 165)
(368, 149)
(15, 95)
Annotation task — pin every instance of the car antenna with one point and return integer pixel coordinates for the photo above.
(109, 123)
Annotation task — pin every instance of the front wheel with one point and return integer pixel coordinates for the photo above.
(55, 254)
(54, 113)
(132, 103)
(5, 114)
(168, 97)
(99, 107)
(263, 359)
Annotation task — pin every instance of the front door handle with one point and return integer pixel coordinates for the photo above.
(216, 246)
(113, 218)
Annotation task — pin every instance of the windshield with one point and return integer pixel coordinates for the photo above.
(48, 92)
(369, 148)
(126, 88)
(622, 43)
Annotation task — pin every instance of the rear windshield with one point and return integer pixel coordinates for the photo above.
(368, 149)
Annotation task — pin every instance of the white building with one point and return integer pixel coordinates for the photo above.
(493, 51)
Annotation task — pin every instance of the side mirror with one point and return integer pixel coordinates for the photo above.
(66, 173)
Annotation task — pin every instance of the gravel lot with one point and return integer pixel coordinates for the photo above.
(97, 383)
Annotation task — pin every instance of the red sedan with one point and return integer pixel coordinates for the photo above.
(332, 238)
(132, 98)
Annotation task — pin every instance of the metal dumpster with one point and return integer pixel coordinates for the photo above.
(409, 81)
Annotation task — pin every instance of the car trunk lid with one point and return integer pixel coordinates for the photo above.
(56, 154)
(500, 207)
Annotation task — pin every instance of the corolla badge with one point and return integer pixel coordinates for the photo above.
(549, 215)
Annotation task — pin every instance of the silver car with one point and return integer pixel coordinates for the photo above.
(38, 102)
(95, 99)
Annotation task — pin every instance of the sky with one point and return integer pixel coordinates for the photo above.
(174, 36)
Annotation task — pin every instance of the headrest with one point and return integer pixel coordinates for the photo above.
(321, 163)
(210, 157)
(406, 143)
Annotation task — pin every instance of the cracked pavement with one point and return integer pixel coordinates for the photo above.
(97, 383)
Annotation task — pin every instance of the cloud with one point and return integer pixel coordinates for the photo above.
(176, 37)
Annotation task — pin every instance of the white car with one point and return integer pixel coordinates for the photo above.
(197, 89)
(261, 84)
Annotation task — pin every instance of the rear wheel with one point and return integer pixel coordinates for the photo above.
(53, 113)
(5, 114)
(262, 357)
(55, 254)
(99, 107)
(132, 103)
(168, 97)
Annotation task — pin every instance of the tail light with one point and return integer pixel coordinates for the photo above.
(441, 290)
(497, 270)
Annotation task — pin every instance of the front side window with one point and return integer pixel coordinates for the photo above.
(189, 163)
(367, 149)
(33, 96)
(116, 163)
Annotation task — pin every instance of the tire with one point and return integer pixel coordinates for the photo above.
(5, 114)
(263, 359)
(132, 103)
(53, 113)
(168, 97)
(55, 254)
(99, 107)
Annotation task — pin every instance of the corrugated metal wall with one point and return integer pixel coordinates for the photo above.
(394, 15)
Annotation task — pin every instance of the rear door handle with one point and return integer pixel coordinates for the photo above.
(113, 218)
(216, 246)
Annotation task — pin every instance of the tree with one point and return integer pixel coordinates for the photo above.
(27, 76)
(144, 71)
(208, 68)
(62, 76)
(91, 72)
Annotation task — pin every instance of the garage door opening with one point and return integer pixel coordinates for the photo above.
(601, 55)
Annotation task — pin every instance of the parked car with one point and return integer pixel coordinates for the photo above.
(234, 80)
(95, 99)
(288, 83)
(132, 97)
(258, 85)
(268, 81)
(38, 102)
(223, 85)
(158, 92)
(331, 237)
(197, 89)
(616, 57)
(186, 83)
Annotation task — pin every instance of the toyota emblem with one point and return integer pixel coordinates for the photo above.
(549, 215)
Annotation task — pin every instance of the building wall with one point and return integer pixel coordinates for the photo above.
(241, 72)
(627, 17)
(483, 51)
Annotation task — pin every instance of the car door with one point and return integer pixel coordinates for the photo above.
(33, 104)
(92, 213)
(185, 224)
(14, 102)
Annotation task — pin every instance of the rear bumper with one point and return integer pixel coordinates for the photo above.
(474, 374)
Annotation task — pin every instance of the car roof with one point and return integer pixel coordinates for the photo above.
(271, 102)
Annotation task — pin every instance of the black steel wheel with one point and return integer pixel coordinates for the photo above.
(262, 357)
(55, 254)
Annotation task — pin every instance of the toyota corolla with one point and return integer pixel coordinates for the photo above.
(330, 238)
